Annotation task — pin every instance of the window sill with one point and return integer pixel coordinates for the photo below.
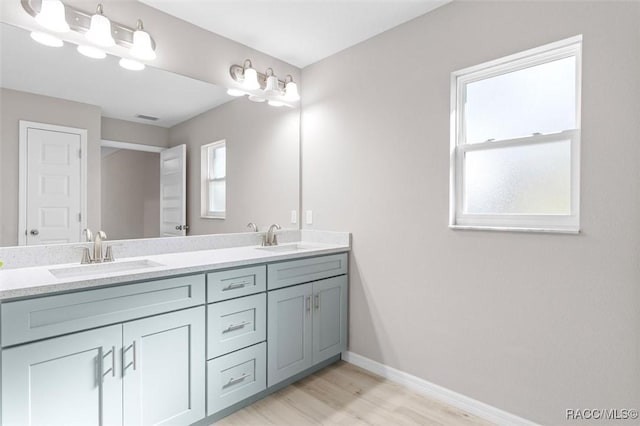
(515, 229)
(212, 217)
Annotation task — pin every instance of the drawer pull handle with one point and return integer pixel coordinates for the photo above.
(233, 381)
(234, 286)
(234, 327)
(316, 302)
(307, 303)
(134, 355)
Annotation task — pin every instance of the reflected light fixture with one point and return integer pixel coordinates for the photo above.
(291, 90)
(100, 30)
(130, 64)
(91, 52)
(52, 16)
(46, 39)
(263, 87)
(250, 77)
(272, 87)
(142, 48)
(236, 92)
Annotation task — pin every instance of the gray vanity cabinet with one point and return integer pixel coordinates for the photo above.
(69, 380)
(307, 324)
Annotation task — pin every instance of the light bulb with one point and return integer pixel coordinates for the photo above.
(52, 16)
(130, 64)
(255, 98)
(141, 48)
(47, 39)
(291, 92)
(276, 103)
(251, 79)
(91, 52)
(236, 92)
(100, 30)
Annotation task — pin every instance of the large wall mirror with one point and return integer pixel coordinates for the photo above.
(87, 143)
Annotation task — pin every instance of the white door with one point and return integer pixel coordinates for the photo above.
(173, 191)
(52, 194)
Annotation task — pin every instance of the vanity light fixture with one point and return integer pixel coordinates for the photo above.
(91, 52)
(263, 87)
(141, 48)
(130, 64)
(100, 29)
(103, 35)
(52, 16)
(46, 39)
(291, 90)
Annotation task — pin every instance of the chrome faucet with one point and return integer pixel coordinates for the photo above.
(270, 238)
(97, 257)
(252, 226)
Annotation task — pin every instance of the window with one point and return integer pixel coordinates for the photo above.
(213, 169)
(515, 141)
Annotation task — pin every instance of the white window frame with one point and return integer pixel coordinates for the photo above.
(458, 219)
(205, 213)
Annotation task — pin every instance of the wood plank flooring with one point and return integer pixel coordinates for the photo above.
(343, 394)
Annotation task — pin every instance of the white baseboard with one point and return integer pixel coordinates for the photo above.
(462, 402)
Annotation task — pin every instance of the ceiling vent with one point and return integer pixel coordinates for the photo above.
(146, 117)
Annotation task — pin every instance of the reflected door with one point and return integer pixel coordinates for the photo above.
(52, 184)
(173, 191)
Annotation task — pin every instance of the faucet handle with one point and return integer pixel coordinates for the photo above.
(86, 256)
(88, 234)
(252, 226)
(108, 257)
(102, 235)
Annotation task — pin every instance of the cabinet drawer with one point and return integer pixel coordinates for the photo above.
(235, 283)
(235, 324)
(27, 320)
(300, 271)
(236, 376)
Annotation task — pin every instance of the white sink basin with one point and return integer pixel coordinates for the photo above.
(286, 247)
(102, 268)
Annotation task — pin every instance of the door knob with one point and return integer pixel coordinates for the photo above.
(34, 232)
(182, 227)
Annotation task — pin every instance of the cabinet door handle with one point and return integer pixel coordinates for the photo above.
(316, 301)
(307, 303)
(113, 362)
(233, 381)
(234, 327)
(135, 363)
(234, 286)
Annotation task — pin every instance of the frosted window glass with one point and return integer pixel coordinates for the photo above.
(217, 196)
(217, 162)
(529, 179)
(538, 99)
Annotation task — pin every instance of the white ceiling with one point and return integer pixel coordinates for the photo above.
(299, 32)
(63, 73)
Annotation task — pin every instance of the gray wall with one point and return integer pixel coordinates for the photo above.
(16, 106)
(530, 323)
(131, 194)
(263, 155)
(127, 131)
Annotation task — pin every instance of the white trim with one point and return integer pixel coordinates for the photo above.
(516, 229)
(22, 172)
(431, 390)
(131, 146)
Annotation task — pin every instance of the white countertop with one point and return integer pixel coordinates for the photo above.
(24, 282)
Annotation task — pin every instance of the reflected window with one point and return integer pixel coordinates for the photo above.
(516, 141)
(214, 180)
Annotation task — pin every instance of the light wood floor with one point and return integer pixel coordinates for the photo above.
(343, 394)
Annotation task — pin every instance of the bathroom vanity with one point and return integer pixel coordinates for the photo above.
(181, 339)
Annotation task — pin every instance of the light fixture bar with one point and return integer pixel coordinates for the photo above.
(80, 21)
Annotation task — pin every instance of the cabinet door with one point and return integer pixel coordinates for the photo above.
(164, 369)
(69, 380)
(329, 318)
(289, 332)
